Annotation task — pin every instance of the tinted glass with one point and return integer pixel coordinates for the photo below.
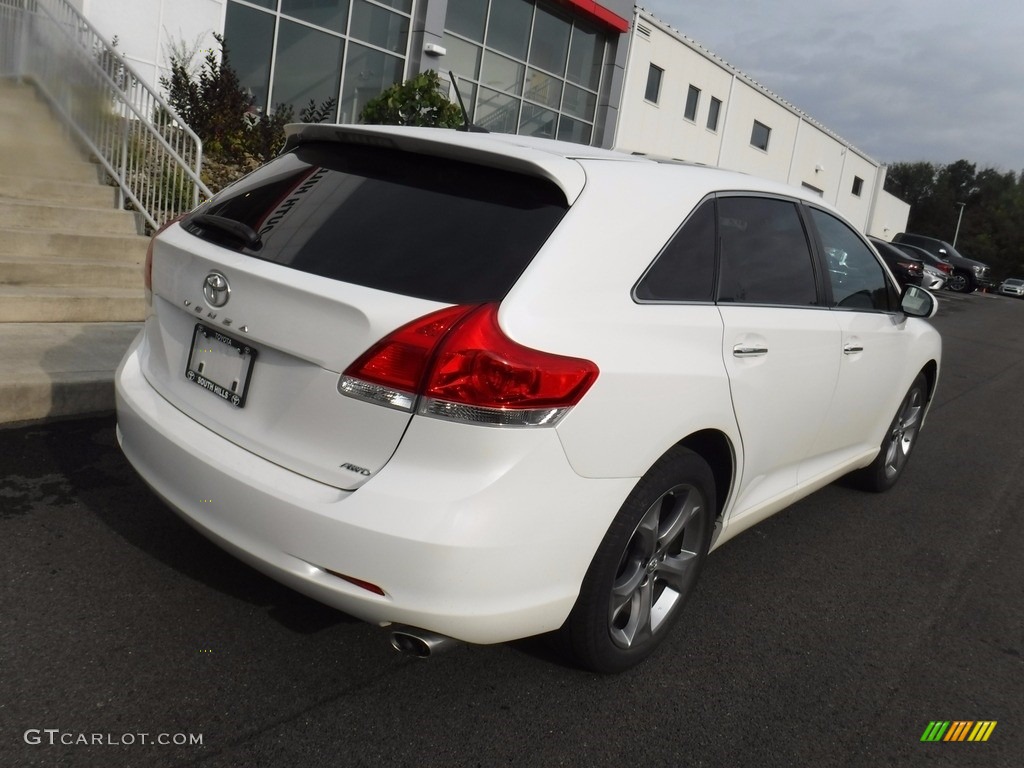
(692, 100)
(301, 50)
(586, 55)
(550, 41)
(380, 27)
(248, 37)
(332, 14)
(367, 73)
(759, 135)
(537, 121)
(858, 280)
(713, 109)
(685, 269)
(653, 83)
(764, 256)
(467, 17)
(399, 222)
(509, 27)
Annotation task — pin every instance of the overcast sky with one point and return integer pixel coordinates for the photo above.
(902, 80)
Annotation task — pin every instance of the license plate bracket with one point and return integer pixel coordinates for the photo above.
(220, 364)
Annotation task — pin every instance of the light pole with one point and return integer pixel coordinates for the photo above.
(958, 218)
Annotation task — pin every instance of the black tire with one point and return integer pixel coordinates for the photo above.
(960, 282)
(646, 567)
(900, 439)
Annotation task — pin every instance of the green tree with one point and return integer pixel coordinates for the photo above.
(417, 101)
(992, 225)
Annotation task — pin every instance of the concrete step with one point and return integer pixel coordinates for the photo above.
(52, 370)
(72, 245)
(70, 272)
(36, 304)
(89, 195)
(19, 214)
(49, 163)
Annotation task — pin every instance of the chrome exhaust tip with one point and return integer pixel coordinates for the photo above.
(420, 643)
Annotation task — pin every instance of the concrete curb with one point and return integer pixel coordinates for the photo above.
(59, 370)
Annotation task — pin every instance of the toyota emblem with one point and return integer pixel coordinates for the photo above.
(216, 289)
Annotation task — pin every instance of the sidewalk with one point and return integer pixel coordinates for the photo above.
(56, 370)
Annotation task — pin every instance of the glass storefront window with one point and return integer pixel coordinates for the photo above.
(356, 50)
(502, 73)
(579, 103)
(332, 14)
(462, 58)
(574, 130)
(250, 59)
(308, 66)
(550, 40)
(367, 73)
(398, 5)
(497, 112)
(508, 29)
(467, 18)
(586, 54)
(537, 121)
(543, 88)
(379, 26)
(532, 49)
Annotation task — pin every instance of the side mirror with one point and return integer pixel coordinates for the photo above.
(917, 302)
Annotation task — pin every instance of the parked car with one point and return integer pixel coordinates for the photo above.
(968, 274)
(907, 269)
(479, 387)
(938, 267)
(936, 272)
(1012, 286)
(933, 279)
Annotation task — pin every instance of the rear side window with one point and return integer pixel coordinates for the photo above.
(400, 222)
(765, 257)
(685, 269)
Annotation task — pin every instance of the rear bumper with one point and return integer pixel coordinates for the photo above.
(477, 533)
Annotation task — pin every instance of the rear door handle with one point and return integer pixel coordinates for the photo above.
(852, 349)
(749, 350)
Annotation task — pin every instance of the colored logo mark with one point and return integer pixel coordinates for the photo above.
(958, 730)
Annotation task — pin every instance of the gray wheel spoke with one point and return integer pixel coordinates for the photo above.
(638, 627)
(674, 570)
(686, 508)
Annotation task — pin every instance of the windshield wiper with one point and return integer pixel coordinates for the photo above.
(248, 236)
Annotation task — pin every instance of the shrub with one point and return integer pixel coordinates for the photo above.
(417, 101)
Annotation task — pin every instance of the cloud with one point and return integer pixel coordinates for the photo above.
(932, 80)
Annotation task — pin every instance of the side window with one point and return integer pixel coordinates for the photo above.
(858, 280)
(685, 268)
(765, 258)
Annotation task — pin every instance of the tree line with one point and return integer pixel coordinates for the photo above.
(992, 224)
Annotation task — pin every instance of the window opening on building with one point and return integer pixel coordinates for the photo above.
(653, 84)
(759, 135)
(714, 108)
(692, 102)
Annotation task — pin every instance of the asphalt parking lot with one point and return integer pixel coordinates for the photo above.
(832, 634)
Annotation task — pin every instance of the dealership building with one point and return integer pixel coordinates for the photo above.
(608, 74)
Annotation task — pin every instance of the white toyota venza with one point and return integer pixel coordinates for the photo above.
(482, 387)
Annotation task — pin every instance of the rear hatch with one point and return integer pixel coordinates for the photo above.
(263, 296)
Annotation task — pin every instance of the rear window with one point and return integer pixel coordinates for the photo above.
(401, 222)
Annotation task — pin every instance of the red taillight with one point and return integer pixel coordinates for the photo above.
(460, 365)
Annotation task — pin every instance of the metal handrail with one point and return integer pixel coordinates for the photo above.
(152, 156)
